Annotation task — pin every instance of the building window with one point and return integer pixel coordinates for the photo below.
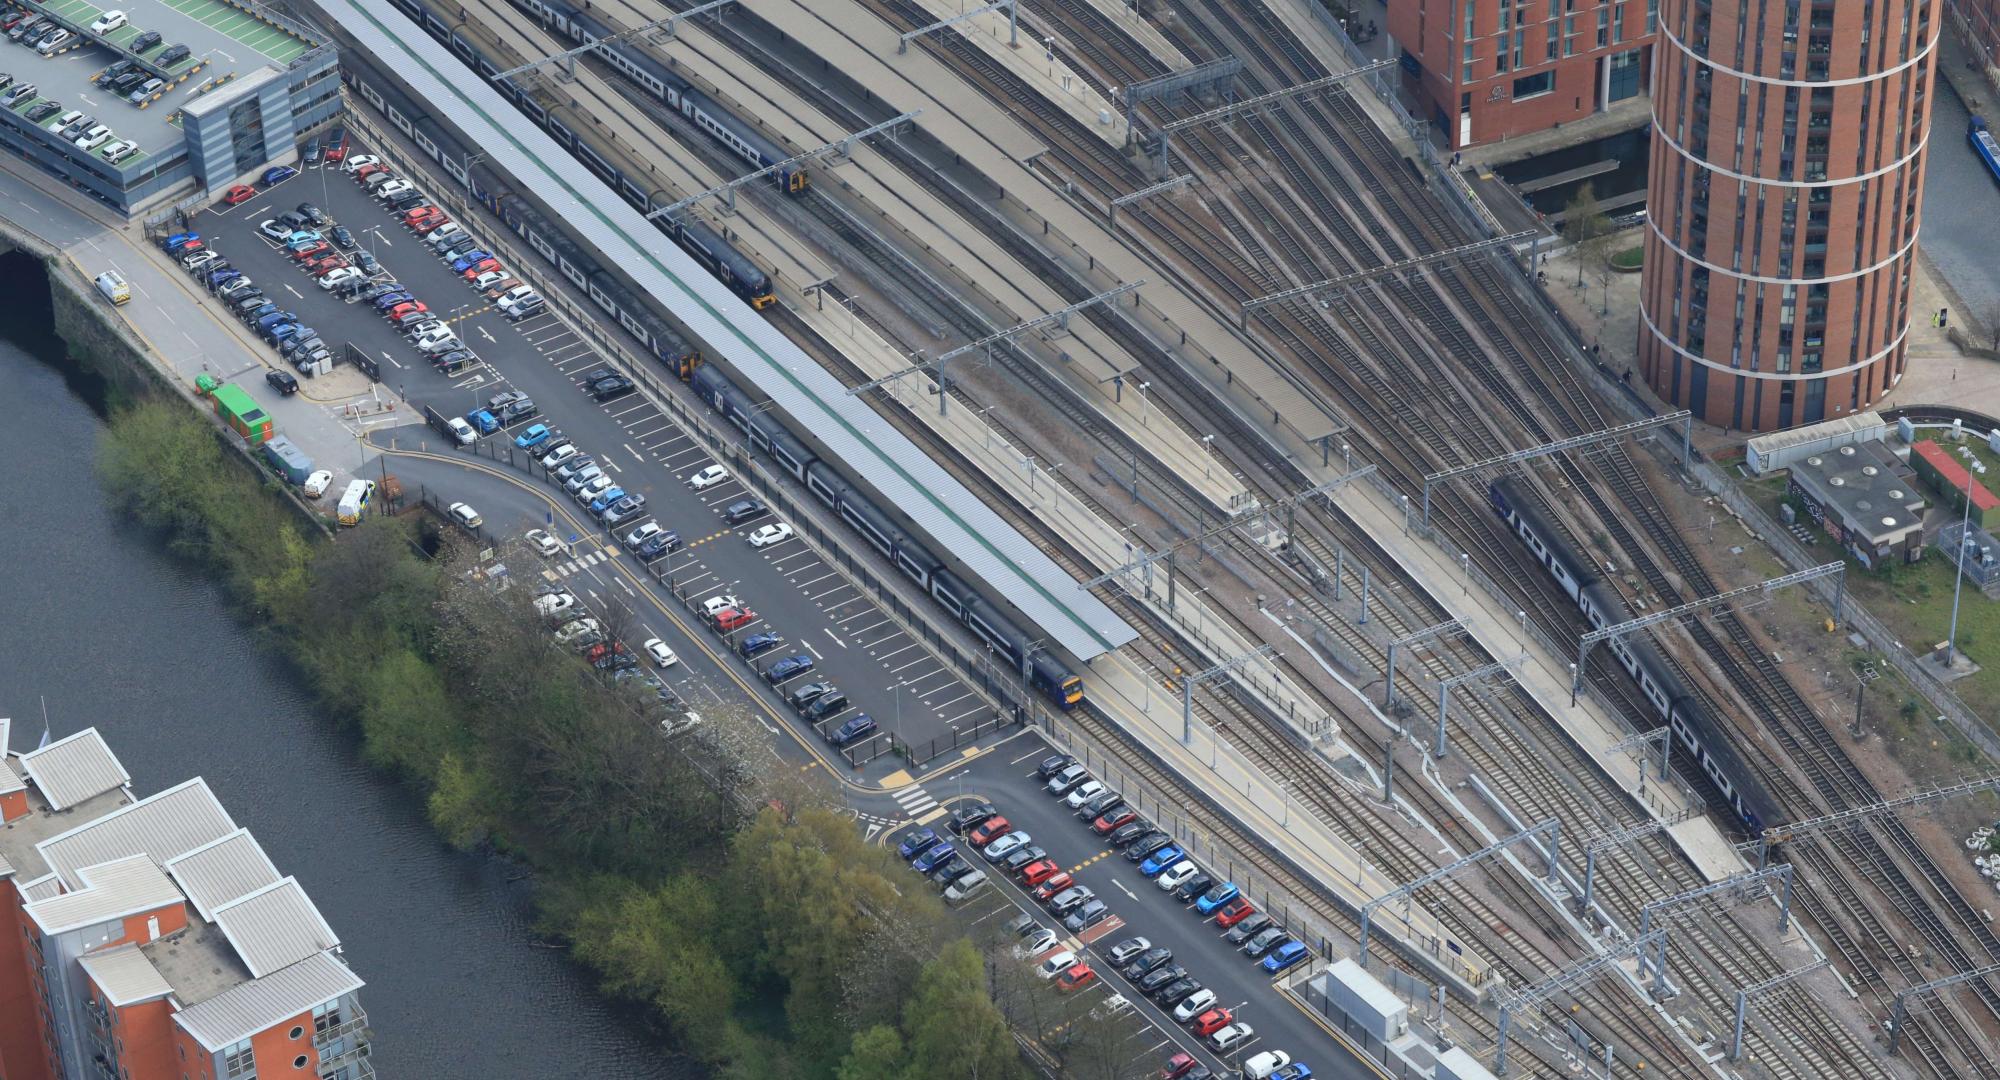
(1652, 16)
(1555, 37)
(299, 1062)
(1467, 75)
(1603, 26)
(1529, 86)
(297, 1030)
(239, 1061)
(1624, 76)
(1618, 24)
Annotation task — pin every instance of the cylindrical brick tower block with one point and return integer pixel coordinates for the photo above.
(1787, 179)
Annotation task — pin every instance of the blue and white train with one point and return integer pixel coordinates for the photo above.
(716, 255)
(1661, 685)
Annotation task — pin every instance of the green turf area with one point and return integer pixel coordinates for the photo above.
(236, 24)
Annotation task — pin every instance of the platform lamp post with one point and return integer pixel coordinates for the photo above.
(1958, 576)
(471, 159)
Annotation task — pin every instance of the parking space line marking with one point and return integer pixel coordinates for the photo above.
(899, 652)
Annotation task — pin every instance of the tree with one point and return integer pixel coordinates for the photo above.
(875, 1054)
(953, 1027)
(1586, 228)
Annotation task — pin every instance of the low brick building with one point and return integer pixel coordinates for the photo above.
(1865, 499)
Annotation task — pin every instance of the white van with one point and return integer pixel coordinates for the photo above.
(113, 287)
(354, 501)
(1263, 1065)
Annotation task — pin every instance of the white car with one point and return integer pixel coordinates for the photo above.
(1261, 1066)
(462, 431)
(1232, 1036)
(1001, 848)
(661, 654)
(53, 42)
(442, 236)
(437, 338)
(542, 542)
(353, 163)
(94, 138)
(554, 604)
(575, 630)
(465, 515)
(716, 604)
(1115, 1005)
(642, 534)
(1039, 942)
(1084, 792)
(1194, 1005)
(64, 120)
(107, 22)
(336, 278)
(489, 279)
(393, 188)
(317, 483)
(197, 260)
(119, 151)
(1171, 879)
(594, 488)
(1056, 964)
(708, 478)
(771, 534)
(516, 296)
(560, 455)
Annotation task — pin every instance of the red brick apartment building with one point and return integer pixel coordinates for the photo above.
(1487, 70)
(152, 939)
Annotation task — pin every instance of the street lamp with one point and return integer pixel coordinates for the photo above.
(1208, 449)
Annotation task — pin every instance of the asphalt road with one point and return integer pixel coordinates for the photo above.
(1006, 777)
(884, 672)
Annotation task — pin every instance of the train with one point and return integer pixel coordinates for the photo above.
(1047, 673)
(1671, 699)
(716, 255)
(743, 140)
(1984, 145)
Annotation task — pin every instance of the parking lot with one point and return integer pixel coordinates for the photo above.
(1008, 779)
(641, 449)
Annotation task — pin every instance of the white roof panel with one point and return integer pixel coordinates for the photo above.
(125, 975)
(220, 871)
(73, 769)
(164, 826)
(274, 927)
(109, 891)
(245, 1010)
(1011, 566)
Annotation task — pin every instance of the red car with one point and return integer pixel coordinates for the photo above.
(1212, 1021)
(403, 309)
(500, 287)
(1178, 1066)
(731, 619)
(411, 215)
(992, 829)
(368, 170)
(336, 149)
(1233, 912)
(241, 193)
(1075, 978)
(1039, 871)
(12, 20)
(1116, 819)
(1052, 885)
(324, 264)
(481, 267)
(313, 252)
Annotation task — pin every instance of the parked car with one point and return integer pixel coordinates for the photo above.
(790, 667)
(989, 830)
(916, 841)
(1193, 887)
(276, 174)
(146, 42)
(1285, 956)
(1215, 897)
(1231, 1037)
(759, 644)
(1068, 778)
(1161, 861)
(708, 477)
(1234, 912)
(465, 515)
(1263, 941)
(1194, 1005)
(1249, 926)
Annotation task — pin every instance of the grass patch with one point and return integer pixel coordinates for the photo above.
(1632, 258)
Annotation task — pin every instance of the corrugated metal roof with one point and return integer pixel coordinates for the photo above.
(42, 888)
(163, 826)
(73, 769)
(222, 870)
(125, 976)
(245, 1010)
(110, 890)
(274, 927)
(1012, 567)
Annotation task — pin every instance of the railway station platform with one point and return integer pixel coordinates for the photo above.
(1126, 17)
(1029, 60)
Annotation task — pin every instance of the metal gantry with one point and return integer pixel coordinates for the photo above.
(1778, 834)
(1737, 882)
(1217, 72)
(1412, 638)
(1588, 640)
(1664, 735)
(1552, 826)
(1358, 276)
(1059, 319)
(567, 55)
(1236, 108)
(1445, 687)
(727, 189)
(1190, 679)
(1610, 434)
(1169, 184)
(1569, 979)
(1900, 1011)
(1744, 995)
(1013, 23)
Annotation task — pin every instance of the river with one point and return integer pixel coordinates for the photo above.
(117, 635)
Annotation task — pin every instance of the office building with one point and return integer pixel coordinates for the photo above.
(1785, 191)
(153, 939)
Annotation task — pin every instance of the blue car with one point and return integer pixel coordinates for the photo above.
(174, 242)
(916, 842)
(265, 322)
(789, 667)
(484, 421)
(757, 644)
(284, 332)
(1297, 1070)
(536, 435)
(388, 300)
(1284, 956)
(278, 173)
(259, 312)
(465, 261)
(610, 495)
(1161, 859)
(932, 858)
(1216, 897)
(852, 730)
(220, 278)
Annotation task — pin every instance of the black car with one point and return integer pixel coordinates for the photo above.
(174, 55)
(282, 382)
(613, 386)
(659, 546)
(1100, 804)
(952, 869)
(970, 817)
(380, 289)
(1148, 961)
(1264, 941)
(1153, 980)
(1253, 924)
(1175, 992)
(519, 410)
(1193, 887)
(826, 706)
(123, 84)
(1125, 834)
(1052, 765)
(1142, 848)
(117, 69)
(807, 694)
(314, 215)
(743, 510)
(1022, 856)
(145, 42)
(408, 200)
(366, 262)
(43, 111)
(342, 238)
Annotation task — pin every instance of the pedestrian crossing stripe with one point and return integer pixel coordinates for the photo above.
(915, 800)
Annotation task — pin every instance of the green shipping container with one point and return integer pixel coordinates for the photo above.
(243, 415)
